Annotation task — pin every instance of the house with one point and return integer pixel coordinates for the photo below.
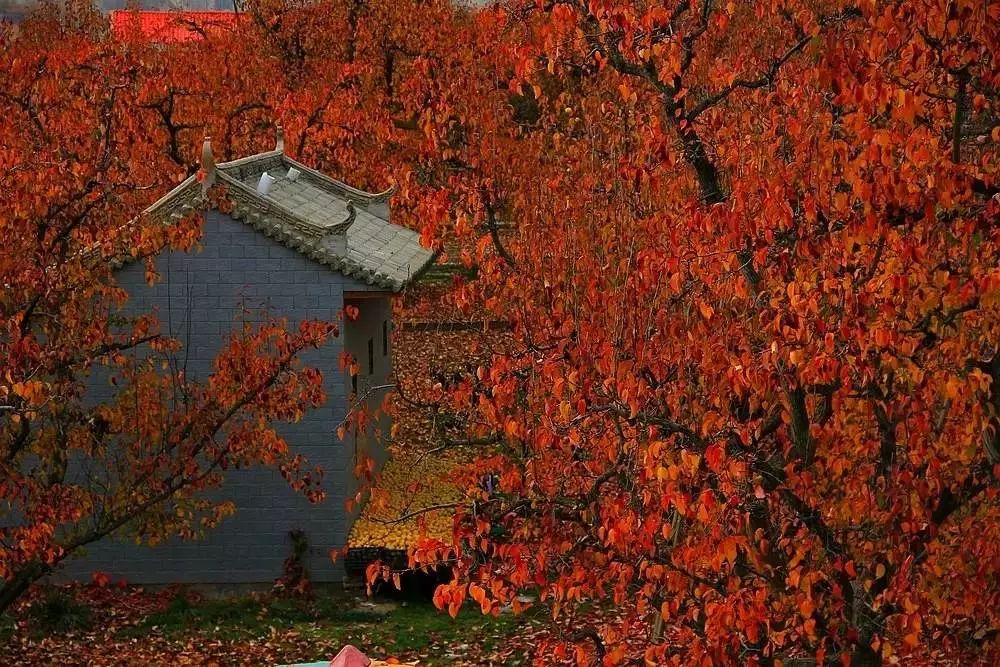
(164, 27)
(13, 12)
(303, 246)
(155, 21)
(167, 5)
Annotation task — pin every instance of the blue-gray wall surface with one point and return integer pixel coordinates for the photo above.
(199, 301)
(367, 329)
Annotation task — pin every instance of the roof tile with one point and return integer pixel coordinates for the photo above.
(309, 213)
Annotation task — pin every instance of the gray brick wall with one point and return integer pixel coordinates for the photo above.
(199, 301)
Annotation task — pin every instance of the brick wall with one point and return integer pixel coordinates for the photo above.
(199, 301)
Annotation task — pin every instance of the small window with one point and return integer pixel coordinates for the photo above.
(385, 338)
(371, 356)
(354, 383)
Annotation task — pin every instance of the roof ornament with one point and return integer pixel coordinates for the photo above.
(207, 173)
(351, 213)
(333, 239)
(280, 143)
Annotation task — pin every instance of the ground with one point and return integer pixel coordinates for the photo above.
(408, 484)
(99, 626)
(420, 472)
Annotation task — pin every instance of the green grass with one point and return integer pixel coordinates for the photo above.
(7, 628)
(59, 613)
(245, 617)
(410, 628)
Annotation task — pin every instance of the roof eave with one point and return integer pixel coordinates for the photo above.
(167, 201)
(419, 273)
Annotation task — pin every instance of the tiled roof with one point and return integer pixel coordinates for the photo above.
(328, 221)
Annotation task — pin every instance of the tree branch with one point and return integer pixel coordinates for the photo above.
(768, 77)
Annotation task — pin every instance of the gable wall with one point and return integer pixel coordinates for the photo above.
(199, 301)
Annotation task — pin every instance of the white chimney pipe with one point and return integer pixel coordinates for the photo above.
(265, 183)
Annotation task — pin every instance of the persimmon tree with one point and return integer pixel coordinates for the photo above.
(748, 252)
(78, 167)
(754, 283)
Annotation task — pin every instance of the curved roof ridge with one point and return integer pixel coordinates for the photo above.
(170, 198)
(249, 159)
(339, 187)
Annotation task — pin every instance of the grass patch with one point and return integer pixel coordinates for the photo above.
(58, 613)
(243, 617)
(414, 627)
(7, 628)
(418, 627)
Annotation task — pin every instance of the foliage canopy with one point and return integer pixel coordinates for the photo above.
(751, 269)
